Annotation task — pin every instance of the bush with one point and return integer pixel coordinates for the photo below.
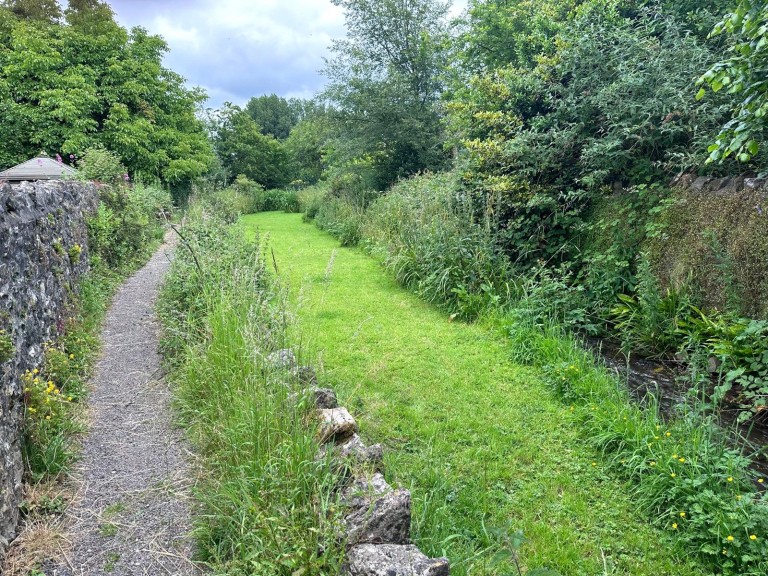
(423, 231)
(341, 219)
(128, 222)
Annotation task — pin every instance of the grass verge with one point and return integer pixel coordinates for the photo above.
(484, 444)
(266, 505)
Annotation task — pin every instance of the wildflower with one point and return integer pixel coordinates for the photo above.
(47, 417)
(658, 426)
(653, 463)
(668, 434)
(71, 156)
(69, 398)
(753, 537)
(674, 525)
(730, 478)
(760, 480)
(35, 371)
(71, 356)
(738, 496)
(729, 538)
(681, 460)
(674, 455)
(673, 475)
(682, 514)
(126, 177)
(58, 158)
(594, 463)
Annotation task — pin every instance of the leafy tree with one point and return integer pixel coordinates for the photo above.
(40, 10)
(743, 78)
(65, 87)
(274, 115)
(243, 149)
(308, 147)
(384, 83)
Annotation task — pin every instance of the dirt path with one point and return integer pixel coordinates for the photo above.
(132, 513)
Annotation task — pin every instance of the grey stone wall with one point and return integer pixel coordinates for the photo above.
(39, 224)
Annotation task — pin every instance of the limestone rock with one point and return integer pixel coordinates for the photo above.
(43, 254)
(283, 359)
(377, 514)
(336, 424)
(325, 398)
(354, 449)
(393, 560)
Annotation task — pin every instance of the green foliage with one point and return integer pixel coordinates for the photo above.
(742, 77)
(426, 238)
(342, 219)
(384, 82)
(129, 220)
(7, 349)
(66, 87)
(243, 149)
(682, 473)
(268, 506)
(275, 116)
(101, 165)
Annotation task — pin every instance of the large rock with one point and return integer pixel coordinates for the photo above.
(336, 425)
(377, 514)
(43, 254)
(392, 560)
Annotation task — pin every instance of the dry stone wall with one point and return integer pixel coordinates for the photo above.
(377, 522)
(41, 226)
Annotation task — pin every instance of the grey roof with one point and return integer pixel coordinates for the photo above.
(40, 168)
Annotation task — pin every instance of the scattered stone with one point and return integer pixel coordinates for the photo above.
(354, 449)
(377, 513)
(307, 375)
(336, 424)
(325, 398)
(393, 560)
(283, 359)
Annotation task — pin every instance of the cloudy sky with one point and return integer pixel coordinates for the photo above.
(236, 49)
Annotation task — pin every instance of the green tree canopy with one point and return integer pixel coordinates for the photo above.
(243, 149)
(384, 83)
(67, 86)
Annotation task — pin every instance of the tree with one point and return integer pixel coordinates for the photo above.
(274, 115)
(40, 10)
(384, 83)
(243, 149)
(65, 87)
(743, 77)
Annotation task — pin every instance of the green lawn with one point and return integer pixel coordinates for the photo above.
(481, 442)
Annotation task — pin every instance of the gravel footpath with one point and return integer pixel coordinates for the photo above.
(132, 514)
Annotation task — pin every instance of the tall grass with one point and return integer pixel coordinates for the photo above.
(683, 472)
(267, 506)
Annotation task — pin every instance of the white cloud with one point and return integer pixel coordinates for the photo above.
(237, 49)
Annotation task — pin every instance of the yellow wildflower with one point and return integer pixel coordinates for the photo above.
(730, 478)
(674, 525)
(729, 538)
(752, 537)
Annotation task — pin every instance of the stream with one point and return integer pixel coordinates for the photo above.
(669, 383)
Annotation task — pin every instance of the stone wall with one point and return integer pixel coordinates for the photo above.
(714, 241)
(376, 527)
(40, 225)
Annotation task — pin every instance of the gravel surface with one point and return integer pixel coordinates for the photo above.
(132, 514)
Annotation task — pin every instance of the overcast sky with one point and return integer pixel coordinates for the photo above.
(236, 49)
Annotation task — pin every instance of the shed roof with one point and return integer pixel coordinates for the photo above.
(40, 168)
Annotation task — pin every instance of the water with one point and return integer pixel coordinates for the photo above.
(669, 383)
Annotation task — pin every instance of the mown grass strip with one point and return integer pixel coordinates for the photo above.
(483, 443)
